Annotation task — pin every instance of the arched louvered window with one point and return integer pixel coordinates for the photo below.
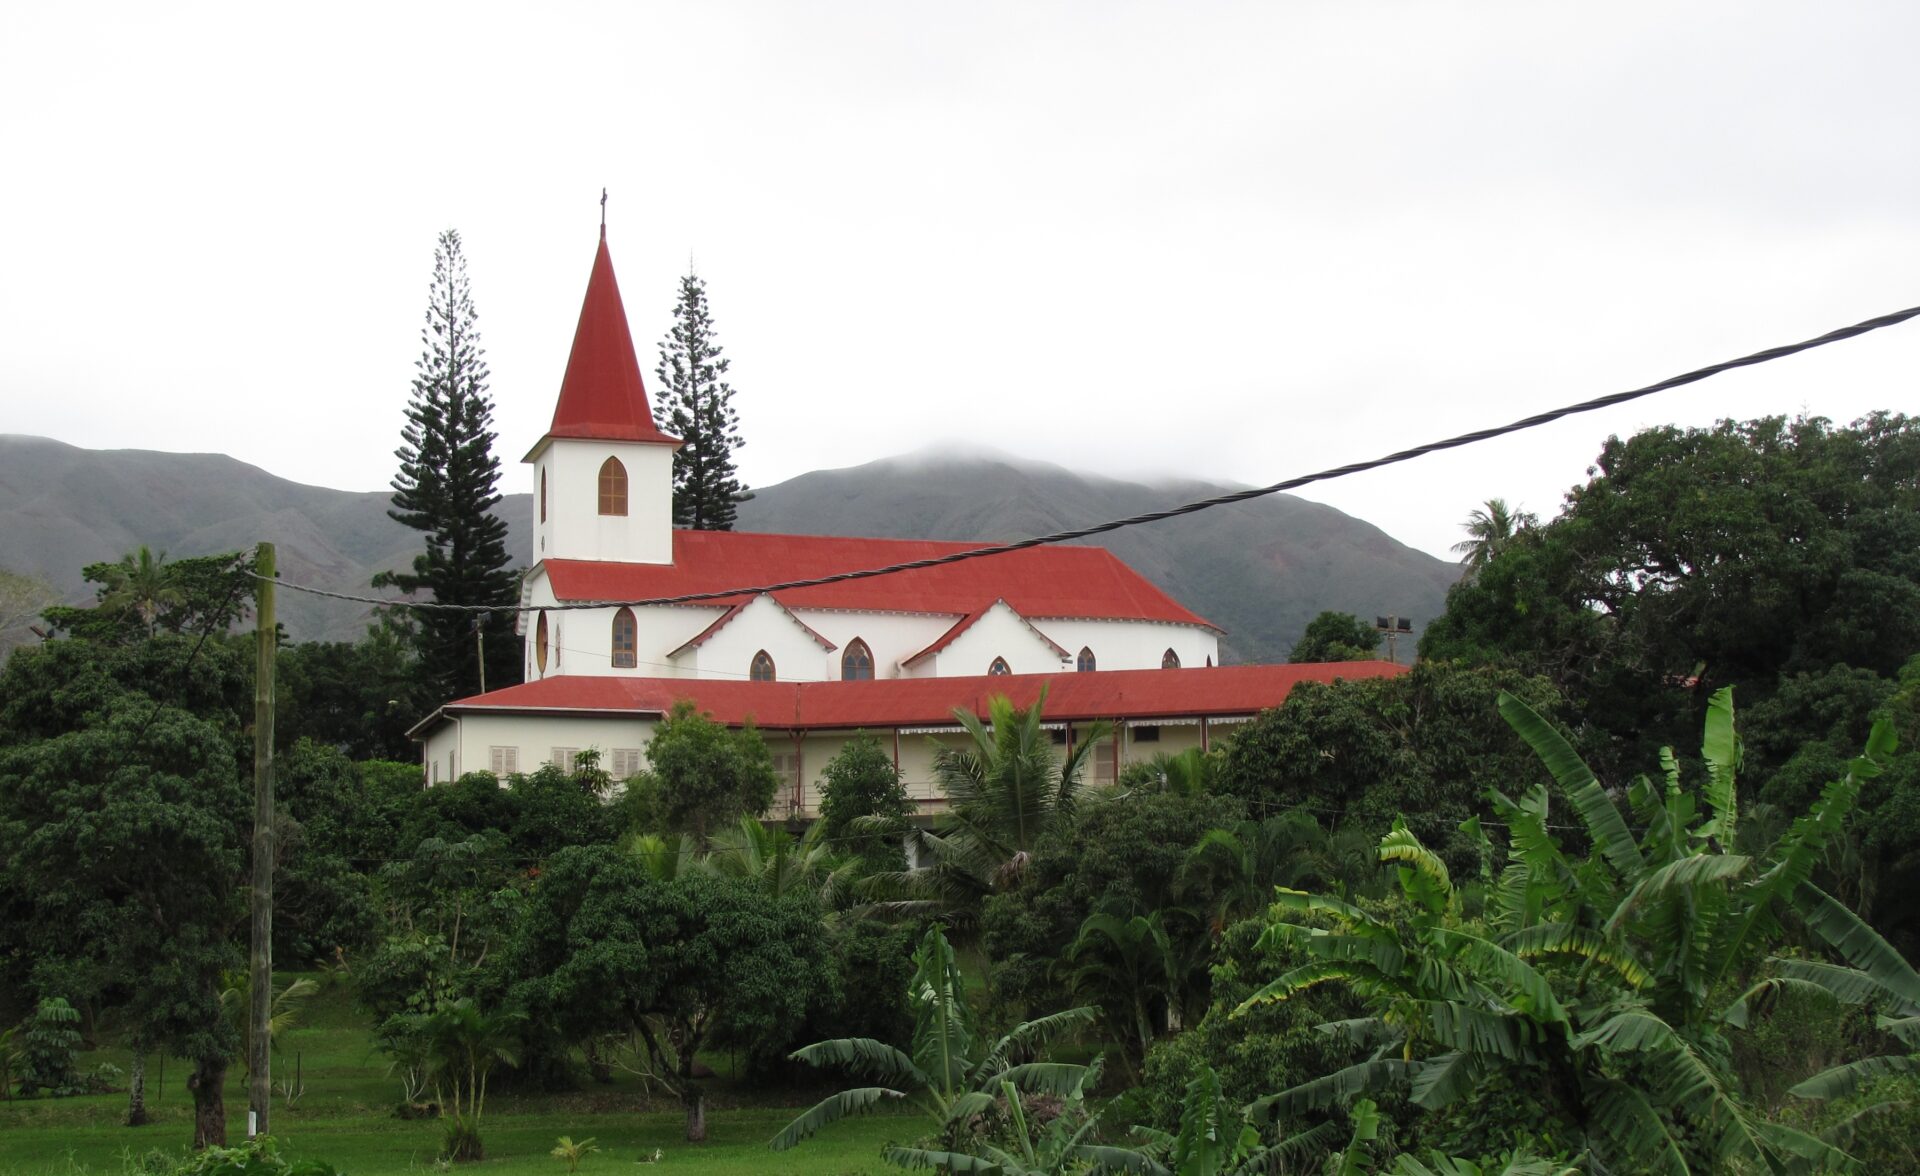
(1169, 660)
(999, 667)
(762, 670)
(1086, 663)
(625, 640)
(540, 643)
(543, 495)
(856, 664)
(613, 487)
(1209, 661)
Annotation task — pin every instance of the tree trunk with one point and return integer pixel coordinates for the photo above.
(137, 1091)
(207, 1083)
(696, 1103)
(597, 1064)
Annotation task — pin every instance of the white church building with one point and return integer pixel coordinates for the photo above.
(891, 655)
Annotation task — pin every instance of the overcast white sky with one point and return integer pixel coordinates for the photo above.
(1233, 241)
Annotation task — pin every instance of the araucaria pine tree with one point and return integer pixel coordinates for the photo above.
(694, 402)
(446, 489)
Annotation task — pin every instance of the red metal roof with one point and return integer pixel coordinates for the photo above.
(900, 702)
(1058, 581)
(602, 397)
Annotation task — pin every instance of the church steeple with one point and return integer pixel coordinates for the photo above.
(602, 397)
(603, 474)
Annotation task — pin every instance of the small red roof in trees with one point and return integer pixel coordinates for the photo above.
(602, 397)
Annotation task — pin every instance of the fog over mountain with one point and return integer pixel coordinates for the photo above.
(1259, 569)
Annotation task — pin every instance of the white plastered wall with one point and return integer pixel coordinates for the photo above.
(575, 528)
(465, 743)
(580, 641)
(891, 636)
(762, 624)
(998, 633)
(1131, 645)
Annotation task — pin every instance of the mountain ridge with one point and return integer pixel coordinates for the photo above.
(1260, 569)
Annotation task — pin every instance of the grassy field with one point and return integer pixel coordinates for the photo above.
(345, 1117)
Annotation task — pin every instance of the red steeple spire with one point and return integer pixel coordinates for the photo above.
(602, 397)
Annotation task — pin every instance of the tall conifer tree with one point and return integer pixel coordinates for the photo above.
(446, 489)
(694, 402)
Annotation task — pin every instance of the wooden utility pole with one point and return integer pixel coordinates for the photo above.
(260, 989)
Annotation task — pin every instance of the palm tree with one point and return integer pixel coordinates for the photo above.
(141, 584)
(952, 1072)
(1235, 869)
(236, 988)
(464, 1045)
(1189, 773)
(666, 858)
(1007, 789)
(1127, 968)
(1490, 529)
(781, 864)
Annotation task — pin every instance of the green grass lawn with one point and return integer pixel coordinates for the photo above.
(346, 1117)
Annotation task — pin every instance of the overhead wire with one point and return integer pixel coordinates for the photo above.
(1404, 455)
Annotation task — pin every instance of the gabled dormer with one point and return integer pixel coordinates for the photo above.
(603, 474)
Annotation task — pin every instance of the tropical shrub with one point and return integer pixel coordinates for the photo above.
(1596, 984)
(1119, 855)
(951, 1071)
(50, 1050)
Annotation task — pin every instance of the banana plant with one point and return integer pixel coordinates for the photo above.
(1589, 978)
(952, 1072)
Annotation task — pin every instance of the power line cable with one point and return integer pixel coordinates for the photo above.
(1327, 475)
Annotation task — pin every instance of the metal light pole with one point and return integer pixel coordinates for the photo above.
(1393, 627)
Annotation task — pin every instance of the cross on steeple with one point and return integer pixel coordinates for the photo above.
(603, 214)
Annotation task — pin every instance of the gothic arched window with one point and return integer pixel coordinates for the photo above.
(540, 644)
(1086, 664)
(1169, 660)
(613, 487)
(543, 495)
(625, 640)
(999, 667)
(762, 670)
(856, 664)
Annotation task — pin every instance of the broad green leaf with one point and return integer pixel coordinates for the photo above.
(827, 1110)
(1841, 1081)
(1603, 820)
(1331, 1089)
(1860, 945)
(1719, 749)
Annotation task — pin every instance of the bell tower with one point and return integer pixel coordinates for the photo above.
(603, 474)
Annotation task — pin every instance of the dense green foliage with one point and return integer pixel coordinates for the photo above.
(1121, 857)
(863, 805)
(951, 1070)
(144, 594)
(1586, 1006)
(446, 489)
(694, 402)
(1695, 970)
(1697, 558)
(1335, 636)
(702, 776)
(1424, 744)
(605, 948)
